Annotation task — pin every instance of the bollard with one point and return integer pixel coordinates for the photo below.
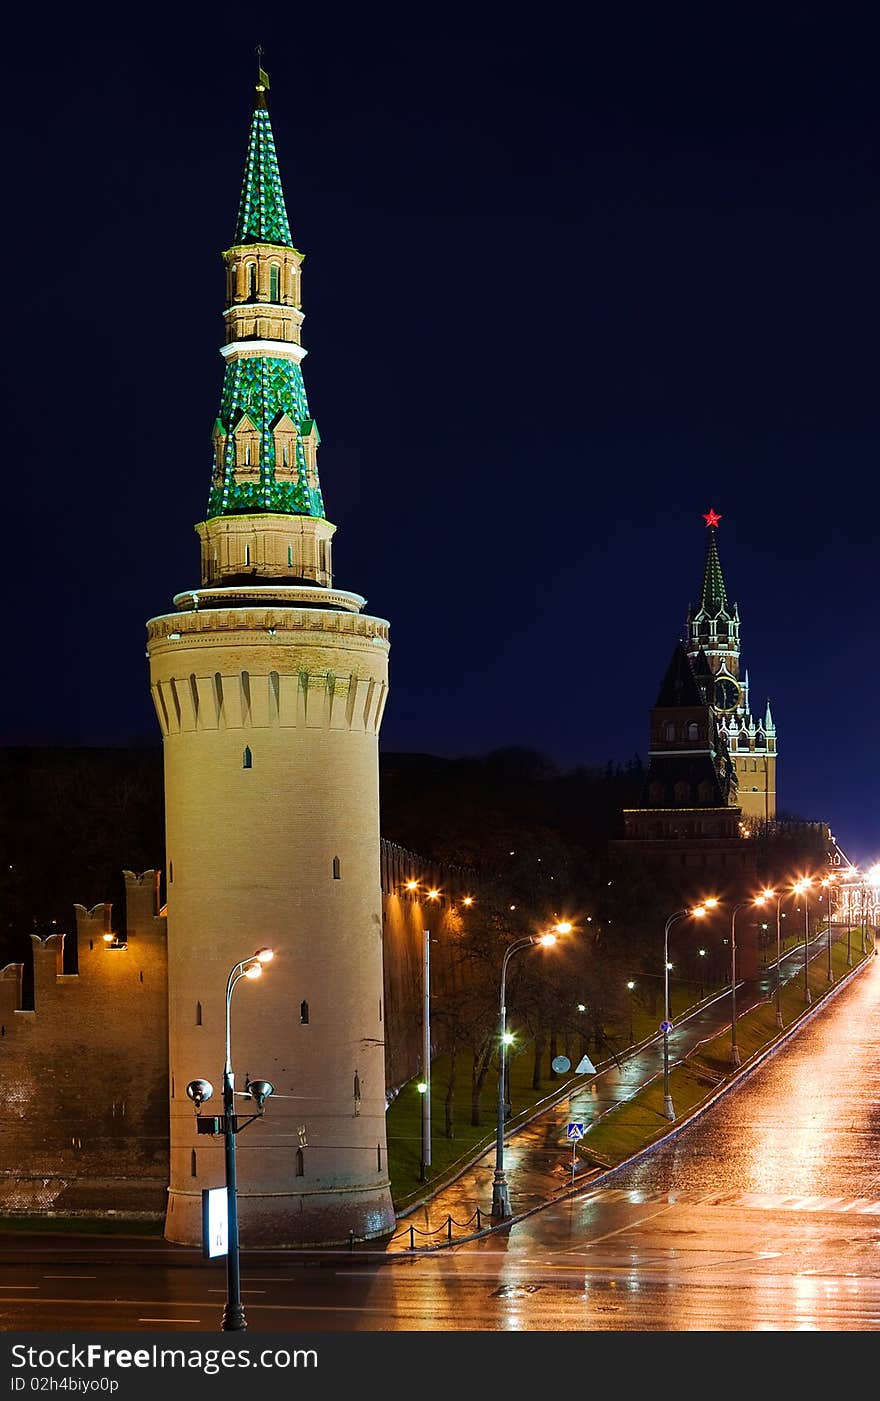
(449, 1228)
(412, 1237)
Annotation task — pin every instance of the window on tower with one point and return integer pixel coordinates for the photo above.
(274, 283)
(252, 279)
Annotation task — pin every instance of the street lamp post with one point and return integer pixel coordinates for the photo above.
(631, 988)
(777, 992)
(735, 1058)
(500, 1192)
(800, 888)
(426, 1062)
(697, 912)
(827, 883)
(233, 1312)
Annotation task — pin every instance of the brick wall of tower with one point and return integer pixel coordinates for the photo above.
(85, 1072)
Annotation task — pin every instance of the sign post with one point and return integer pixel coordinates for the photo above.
(574, 1132)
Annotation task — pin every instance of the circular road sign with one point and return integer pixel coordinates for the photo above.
(561, 1064)
(666, 1026)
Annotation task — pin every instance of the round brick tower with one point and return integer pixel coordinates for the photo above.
(269, 685)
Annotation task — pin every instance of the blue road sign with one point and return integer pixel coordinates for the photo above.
(573, 1132)
(666, 1026)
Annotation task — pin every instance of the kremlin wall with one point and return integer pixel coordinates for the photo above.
(86, 1129)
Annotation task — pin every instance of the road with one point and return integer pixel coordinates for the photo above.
(763, 1214)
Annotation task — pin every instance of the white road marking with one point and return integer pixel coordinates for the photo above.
(241, 1291)
(169, 1320)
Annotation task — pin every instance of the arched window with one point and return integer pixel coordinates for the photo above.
(304, 1013)
(192, 1164)
(300, 1163)
(247, 554)
(337, 869)
(252, 279)
(247, 758)
(289, 549)
(670, 731)
(274, 280)
(693, 731)
(198, 1014)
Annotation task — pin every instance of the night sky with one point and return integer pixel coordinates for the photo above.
(569, 283)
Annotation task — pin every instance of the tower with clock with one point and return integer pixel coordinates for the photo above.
(713, 646)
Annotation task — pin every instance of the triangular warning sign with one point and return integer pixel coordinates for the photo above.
(585, 1066)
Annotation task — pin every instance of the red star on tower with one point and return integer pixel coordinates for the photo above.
(711, 517)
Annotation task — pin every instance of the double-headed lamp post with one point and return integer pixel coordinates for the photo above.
(801, 887)
(500, 1192)
(696, 912)
(233, 1313)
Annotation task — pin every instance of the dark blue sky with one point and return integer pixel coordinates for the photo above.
(566, 287)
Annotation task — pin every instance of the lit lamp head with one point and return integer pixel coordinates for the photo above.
(412, 885)
(546, 940)
(563, 927)
(468, 900)
(433, 894)
(769, 894)
(265, 955)
(631, 984)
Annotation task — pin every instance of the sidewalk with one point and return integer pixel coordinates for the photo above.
(537, 1157)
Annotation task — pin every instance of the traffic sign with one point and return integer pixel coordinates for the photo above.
(585, 1066)
(666, 1026)
(560, 1064)
(573, 1132)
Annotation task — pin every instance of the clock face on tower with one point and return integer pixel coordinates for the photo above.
(727, 694)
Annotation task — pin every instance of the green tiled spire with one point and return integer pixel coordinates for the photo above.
(262, 217)
(262, 388)
(714, 597)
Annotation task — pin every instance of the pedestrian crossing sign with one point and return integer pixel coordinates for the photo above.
(573, 1132)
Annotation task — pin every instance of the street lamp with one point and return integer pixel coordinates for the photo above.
(500, 1193)
(233, 1313)
(772, 895)
(631, 988)
(827, 883)
(695, 912)
(849, 875)
(757, 900)
(800, 888)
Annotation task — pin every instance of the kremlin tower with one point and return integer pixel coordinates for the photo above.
(269, 686)
(713, 648)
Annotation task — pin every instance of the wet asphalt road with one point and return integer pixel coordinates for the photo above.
(763, 1214)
